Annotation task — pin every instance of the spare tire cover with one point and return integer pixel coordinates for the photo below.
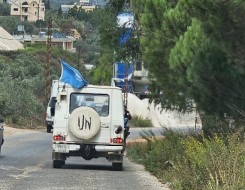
(84, 123)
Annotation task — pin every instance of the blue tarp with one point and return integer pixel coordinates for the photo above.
(125, 21)
(120, 75)
(120, 69)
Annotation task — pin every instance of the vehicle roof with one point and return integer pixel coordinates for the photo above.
(61, 84)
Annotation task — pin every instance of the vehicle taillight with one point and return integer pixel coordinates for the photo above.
(117, 140)
(58, 138)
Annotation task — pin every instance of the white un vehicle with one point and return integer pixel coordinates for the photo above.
(88, 123)
(49, 115)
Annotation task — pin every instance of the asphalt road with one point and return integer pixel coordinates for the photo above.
(26, 164)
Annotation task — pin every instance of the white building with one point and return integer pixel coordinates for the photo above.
(84, 4)
(29, 10)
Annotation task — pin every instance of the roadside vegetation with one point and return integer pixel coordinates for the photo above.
(22, 84)
(194, 162)
(138, 121)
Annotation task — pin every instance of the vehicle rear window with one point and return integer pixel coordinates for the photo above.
(99, 102)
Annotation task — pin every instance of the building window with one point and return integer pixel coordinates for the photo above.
(15, 9)
(25, 10)
(42, 9)
(35, 13)
(33, 5)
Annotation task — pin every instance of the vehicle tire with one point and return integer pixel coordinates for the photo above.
(49, 128)
(117, 166)
(84, 123)
(58, 163)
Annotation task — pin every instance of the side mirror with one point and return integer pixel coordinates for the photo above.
(53, 102)
(52, 105)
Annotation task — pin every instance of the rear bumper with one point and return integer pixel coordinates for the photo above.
(104, 148)
(66, 148)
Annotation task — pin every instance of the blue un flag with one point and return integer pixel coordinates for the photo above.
(72, 76)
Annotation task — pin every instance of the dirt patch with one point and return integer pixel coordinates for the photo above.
(141, 140)
(12, 130)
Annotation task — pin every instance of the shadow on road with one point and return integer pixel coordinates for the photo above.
(87, 167)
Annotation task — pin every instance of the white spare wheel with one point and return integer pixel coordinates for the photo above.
(84, 123)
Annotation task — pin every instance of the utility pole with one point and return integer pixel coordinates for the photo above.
(47, 66)
(126, 85)
(78, 58)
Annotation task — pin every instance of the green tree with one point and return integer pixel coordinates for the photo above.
(10, 23)
(29, 27)
(41, 24)
(4, 9)
(21, 81)
(194, 50)
(47, 4)
(105, 19)
(60, 11)
(102, 73)
(65, 24)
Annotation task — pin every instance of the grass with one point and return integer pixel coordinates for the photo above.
(138, 121)
(191, 162)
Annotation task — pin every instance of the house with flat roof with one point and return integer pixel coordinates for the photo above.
(65, 42)
(84, 4)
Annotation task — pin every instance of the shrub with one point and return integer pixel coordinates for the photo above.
(159, 154)
(138, 121)
(188, 162)
(137, 151)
